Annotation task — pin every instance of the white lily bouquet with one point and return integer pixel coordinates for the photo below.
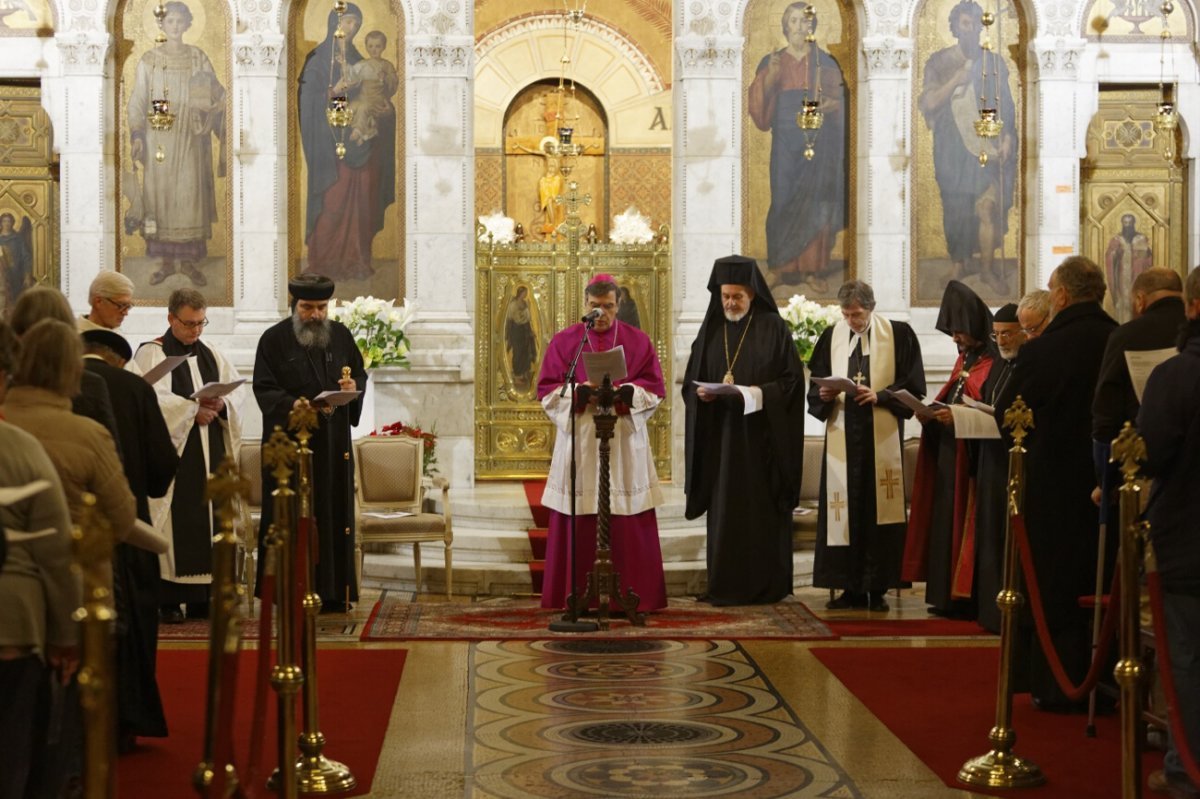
(631, 227)
(378, 329)
(808, 321)
(502, 229)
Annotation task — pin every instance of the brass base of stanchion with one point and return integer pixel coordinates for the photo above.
(321, 775)
(1001, 770)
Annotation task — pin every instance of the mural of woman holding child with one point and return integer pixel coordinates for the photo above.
(347, 197)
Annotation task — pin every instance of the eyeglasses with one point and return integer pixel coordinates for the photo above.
(996, 336)
(192, 325)
(123, 307)
(1032, 331)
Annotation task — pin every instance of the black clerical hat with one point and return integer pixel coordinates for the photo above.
(310, 287)
(963, 311)
(742, 271)
(1007, 313)
(109, 339)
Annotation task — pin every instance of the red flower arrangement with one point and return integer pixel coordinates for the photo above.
(428, 440)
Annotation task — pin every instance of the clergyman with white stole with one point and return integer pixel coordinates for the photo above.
(861, 519)
(745, 436)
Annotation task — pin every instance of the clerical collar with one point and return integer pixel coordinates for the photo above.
(601, 335)
(864, 337)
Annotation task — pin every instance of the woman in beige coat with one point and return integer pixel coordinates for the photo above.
(82, 451)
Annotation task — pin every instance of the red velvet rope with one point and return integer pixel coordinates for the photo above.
(1107, 633)
(1162, 652)
(251, 784)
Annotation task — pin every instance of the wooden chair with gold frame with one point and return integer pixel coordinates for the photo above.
(250, 465)
(391, 501)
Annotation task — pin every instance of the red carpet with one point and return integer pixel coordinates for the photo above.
(538, 533)
(357, 690)
(940, 702)
(903, 628)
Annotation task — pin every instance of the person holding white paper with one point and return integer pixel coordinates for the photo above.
(939, 548)
(303, 356)
(204, 432)
(860, 522)
(744, 458)
(633, 524)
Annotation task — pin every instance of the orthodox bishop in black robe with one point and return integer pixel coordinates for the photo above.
(743, 468)
(859, 553)
(284, 371)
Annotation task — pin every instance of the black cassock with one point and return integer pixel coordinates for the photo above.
(284, 371)
(991, 505)
(871, 561)
(1056, 376)
(150, 461)
(744, 470)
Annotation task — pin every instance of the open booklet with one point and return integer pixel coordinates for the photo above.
(336, 399)
(922, 410)
(161, 368)
(974, 421)
(749, 398)
(837, 383)
(214, 389)
(610, 362)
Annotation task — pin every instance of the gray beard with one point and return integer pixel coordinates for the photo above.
(735, 317)
(312, 335)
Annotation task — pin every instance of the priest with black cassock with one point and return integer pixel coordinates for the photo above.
(302, 356)
(861, 518)
(990, 462)
(939, 549)
(1056, 376)
(150, 461)
(744, 447)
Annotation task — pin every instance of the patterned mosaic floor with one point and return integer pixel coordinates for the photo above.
(636, 718)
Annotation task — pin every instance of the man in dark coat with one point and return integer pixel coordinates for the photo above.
(1056, 376)
(150, 462)
(744, 447)
(1171, 428)
(940, 548)
(303, 356)
(990, 460)
(860, 544)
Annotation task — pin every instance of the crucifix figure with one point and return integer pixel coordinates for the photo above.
(836, 505)
(890, 482)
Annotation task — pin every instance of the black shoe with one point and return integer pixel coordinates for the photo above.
(847, 600)
(170, 615)
(876, 602)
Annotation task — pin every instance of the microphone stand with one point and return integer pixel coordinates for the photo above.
(570, 621)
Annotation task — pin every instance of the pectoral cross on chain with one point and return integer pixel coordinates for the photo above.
(890, 482)
(836, 505)
(859, 377)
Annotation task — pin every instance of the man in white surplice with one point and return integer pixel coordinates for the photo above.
(204, 432)
(861, 520)
(634, 482)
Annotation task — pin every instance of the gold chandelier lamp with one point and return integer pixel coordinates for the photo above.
(1166, 117)
(810, 118)
(989, 124)
(159, 117)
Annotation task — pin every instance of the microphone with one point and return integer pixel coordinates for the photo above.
(591, 316)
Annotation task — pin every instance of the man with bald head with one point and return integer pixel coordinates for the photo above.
(1056, 375)
(1157, 306)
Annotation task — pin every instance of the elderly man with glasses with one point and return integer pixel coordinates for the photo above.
(1033, 313)
(111, 298)
(204, 429)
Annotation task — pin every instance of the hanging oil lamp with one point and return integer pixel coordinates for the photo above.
(989, 124)
(810, 118)
(339, 115)
(1166, 118)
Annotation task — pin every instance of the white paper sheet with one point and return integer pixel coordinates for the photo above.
(213, 389)
(973, 423)
(162, 367)
(1141, 363)
(922, 410)
(610, 362)
(11, 494)
(336, 399)
(837, 383)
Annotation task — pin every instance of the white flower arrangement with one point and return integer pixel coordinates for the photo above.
(378, 328)
(503, 229)
(808, 320)
(631, 227)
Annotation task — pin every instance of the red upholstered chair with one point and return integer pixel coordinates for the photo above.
(392, 507)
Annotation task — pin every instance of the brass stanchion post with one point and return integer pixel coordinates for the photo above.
(216, 775)
(1127, 450)
(315, 772)
(287, 677)
(97, 674)
(1000, 768)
